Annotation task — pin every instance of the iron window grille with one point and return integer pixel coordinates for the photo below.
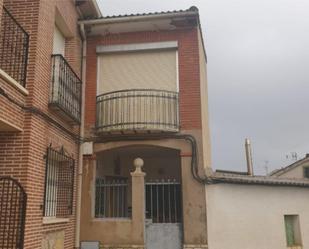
(66, 88)
(59, 184)
(111, 198)
(14, 43)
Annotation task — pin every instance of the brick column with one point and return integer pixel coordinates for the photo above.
(1, 9)
(138, 203)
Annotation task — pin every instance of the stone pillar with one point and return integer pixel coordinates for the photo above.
(138, 202)
(194, 208)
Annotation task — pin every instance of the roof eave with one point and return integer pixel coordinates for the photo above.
(263, 182)
(93, 6)
(137, 18)
(96, 8)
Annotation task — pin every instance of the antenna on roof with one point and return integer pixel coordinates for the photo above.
(293, 156)
(266, 166)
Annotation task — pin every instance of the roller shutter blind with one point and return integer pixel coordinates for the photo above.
(155, 69)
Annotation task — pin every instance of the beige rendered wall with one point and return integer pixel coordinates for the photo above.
(117, 231)
(297, 172)
(204, 103)
(248, 216)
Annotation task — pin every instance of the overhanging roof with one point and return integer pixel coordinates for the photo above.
(88, 8)
(154, 21)
(219, 177)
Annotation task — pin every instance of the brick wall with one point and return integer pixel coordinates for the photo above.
(22, 154)
(188, 59)
(9, 112)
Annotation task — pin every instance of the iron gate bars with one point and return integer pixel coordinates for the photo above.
(14, 42)
(111, 198)
(163, 201)
(138, 109)
(59, 184)
(13, 200)
(66, 88)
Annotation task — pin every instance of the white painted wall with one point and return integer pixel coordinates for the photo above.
(252, 217)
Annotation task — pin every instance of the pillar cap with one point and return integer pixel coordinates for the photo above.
(138, 164)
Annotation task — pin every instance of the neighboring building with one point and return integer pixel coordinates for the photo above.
(40, 117)
(297, 170)
(146, 97)
(257, 212)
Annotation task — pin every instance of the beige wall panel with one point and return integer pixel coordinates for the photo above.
(137, 70)
(297, 172)
(53, 240)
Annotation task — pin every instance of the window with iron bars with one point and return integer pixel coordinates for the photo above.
(111, 197)
(59, 183)
(14, 43)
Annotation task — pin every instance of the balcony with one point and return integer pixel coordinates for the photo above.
(145, 110)
(65, 96)
(14, 42)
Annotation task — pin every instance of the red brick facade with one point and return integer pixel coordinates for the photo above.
(22, 153)
(188, 59)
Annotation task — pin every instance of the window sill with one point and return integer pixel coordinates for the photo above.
(295, 247)
(112, 219)
(13, 83)
(53, 220)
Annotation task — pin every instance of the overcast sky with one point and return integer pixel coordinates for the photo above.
(258, 75)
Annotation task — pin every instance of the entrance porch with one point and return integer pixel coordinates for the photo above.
(127, 206)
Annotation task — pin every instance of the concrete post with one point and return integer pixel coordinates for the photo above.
(138, 202)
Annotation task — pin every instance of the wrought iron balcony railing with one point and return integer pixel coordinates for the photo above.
(137, 110)
(14, 42)
(66, 88)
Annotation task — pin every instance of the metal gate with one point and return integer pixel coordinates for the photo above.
(12, 213)
(163, 215)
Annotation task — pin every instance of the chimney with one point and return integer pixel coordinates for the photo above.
(249, 157)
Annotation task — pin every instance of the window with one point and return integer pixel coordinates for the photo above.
(59, 182)
(111, 199)
(306, 172)
(292, 230)
(14, 44)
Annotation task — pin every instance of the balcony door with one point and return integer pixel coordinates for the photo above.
(58, 42)
(137, 88)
